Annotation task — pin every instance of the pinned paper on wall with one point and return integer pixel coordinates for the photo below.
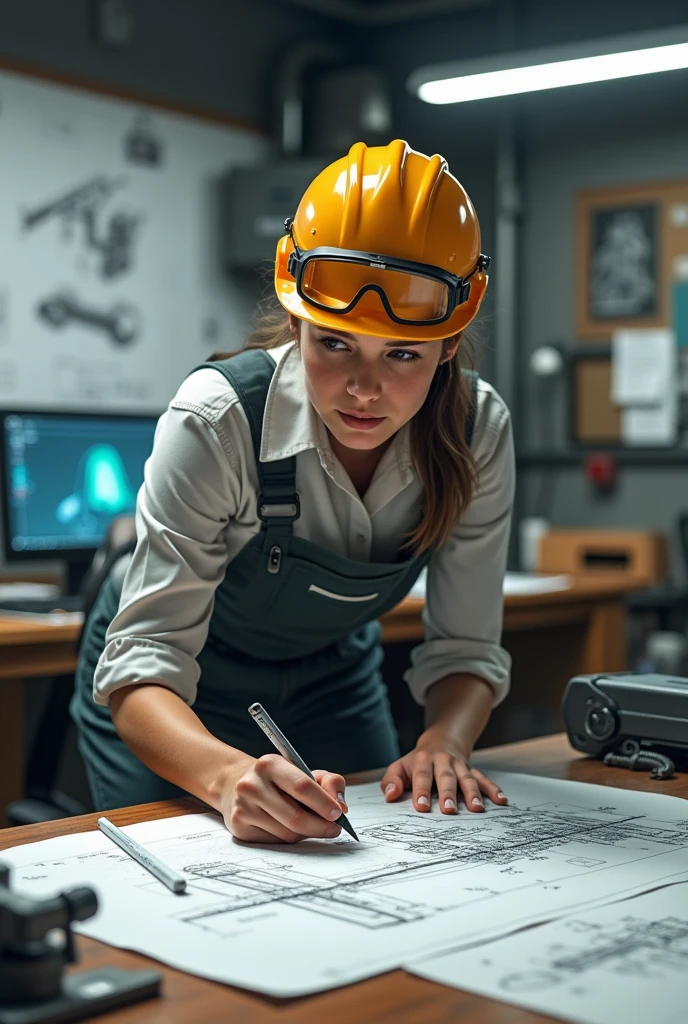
(680, 312)
(651, 425)
(644, 384)
(643, 362)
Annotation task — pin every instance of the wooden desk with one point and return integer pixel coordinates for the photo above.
(551, 637)
(27, 649)
(395, 996)
(596, 603)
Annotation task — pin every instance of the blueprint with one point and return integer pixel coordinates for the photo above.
(626, 962)
(288, 920)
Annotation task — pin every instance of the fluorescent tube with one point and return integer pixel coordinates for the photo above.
(535, 70)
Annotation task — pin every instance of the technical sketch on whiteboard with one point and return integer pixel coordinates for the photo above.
(121, 323)
(110, 237)
(415, 882)
(626, 961)
(142, 143)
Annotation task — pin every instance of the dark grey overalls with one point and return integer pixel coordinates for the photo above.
(293, 626)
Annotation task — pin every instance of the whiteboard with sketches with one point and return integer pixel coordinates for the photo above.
(111, 288)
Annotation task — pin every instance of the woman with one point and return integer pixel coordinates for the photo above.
(293, 495)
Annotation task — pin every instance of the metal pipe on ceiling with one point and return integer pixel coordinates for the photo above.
(296, 62)
(363, 12)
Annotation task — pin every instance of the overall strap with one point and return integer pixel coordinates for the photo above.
(250, 374)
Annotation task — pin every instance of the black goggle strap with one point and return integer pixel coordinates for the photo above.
(463, 287)
(295, 256)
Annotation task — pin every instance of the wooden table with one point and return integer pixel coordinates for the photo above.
(550, 637)
(577, 630)
(28, 648)
(395, 996)
(594, 602)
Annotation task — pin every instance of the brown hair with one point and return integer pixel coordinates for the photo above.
(440, 453)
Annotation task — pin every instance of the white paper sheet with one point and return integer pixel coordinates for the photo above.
(530, 583)
(650, 425)
(626, 961)
(288, 920)
(45, 618)
(643, 365)
(514, 583)
(12, 591)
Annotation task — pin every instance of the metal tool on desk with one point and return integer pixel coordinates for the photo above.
(36, 941)
(631, 719)
(167, 875)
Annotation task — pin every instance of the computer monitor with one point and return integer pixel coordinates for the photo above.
(65, 477)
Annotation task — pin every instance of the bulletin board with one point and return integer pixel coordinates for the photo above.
(595, 419)
(111, 287)
(631, 271)
(632, 259)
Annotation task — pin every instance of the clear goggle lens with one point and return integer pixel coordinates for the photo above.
(335, 284)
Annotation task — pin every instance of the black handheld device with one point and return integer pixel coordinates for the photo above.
(630, 719)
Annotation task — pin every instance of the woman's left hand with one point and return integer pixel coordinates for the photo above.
(441, 759)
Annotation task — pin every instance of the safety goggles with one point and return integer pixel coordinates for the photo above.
(337, 280)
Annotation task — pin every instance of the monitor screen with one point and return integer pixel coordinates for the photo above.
(66, 476)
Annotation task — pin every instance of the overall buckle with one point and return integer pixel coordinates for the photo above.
(289, 510)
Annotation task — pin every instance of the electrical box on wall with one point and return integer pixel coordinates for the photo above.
(350, 104)
(113, 23)
(254, 202)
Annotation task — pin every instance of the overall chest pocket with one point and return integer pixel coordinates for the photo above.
(314, 597)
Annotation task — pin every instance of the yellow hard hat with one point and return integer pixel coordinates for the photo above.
(385, 241)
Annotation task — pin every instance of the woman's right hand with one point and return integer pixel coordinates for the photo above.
(269, 800)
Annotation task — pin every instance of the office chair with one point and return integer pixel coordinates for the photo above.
(43, 802)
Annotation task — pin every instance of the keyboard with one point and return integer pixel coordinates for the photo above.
(43, 605)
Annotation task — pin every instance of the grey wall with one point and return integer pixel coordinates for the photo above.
(217, 55)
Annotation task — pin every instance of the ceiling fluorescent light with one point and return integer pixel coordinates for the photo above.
(534, 70)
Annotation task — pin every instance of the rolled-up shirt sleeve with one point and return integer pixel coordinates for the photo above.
(183, 509)
(464, 594)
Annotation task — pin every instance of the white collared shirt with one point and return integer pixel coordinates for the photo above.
(197, 509)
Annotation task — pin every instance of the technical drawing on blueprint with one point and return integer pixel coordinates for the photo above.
(626, 961)
(418, 882)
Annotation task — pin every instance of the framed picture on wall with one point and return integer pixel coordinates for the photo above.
(623, 263)
(631, 247)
